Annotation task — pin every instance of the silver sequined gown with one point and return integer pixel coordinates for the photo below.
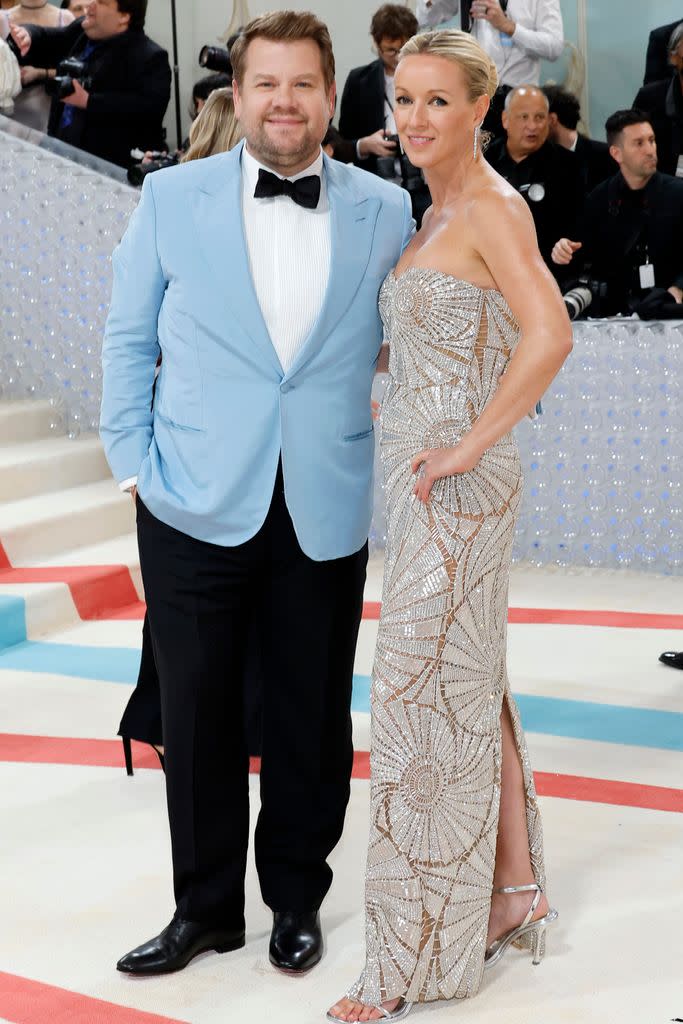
(439, 677)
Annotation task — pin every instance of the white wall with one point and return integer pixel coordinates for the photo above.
(202, 21)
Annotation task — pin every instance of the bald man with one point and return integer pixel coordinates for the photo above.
(547, 175)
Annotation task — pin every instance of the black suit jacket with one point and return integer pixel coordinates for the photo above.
(663, 103)
(362, 107)
(556, 201)
(657, 61)
(610, 233)
(595, 163)
(129, 92)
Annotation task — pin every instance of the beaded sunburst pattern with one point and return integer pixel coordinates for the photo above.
(439, 678)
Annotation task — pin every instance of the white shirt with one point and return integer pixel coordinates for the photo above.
(539, 35)
(290, 251)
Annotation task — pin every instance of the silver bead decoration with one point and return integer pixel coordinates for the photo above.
(59, 224)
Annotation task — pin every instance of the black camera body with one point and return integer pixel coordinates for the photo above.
(68, 71)
(411, 176)
(584, 293)
(138, 172)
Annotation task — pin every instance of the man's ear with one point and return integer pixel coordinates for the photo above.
(236, 98)
(333, 99)
(616, 154)
(505, 119)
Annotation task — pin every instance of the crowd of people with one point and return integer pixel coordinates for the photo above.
(93, 78)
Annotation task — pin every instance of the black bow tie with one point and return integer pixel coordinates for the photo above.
(304, 191)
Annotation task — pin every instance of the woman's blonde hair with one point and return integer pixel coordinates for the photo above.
(460, 48)
(215, 129)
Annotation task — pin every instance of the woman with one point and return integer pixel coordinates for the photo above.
(477, 331)
(215, 130)
(32, 105)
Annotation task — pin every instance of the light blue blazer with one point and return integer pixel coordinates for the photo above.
(224, 412)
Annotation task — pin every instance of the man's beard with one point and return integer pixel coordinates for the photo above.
(260, 144)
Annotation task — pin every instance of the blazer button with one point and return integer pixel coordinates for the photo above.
(285, 387)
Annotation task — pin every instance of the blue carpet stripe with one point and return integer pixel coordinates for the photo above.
(12, 621)
(604, 723)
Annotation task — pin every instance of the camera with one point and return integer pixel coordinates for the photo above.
(139, 171)
(584, 292)
(214, 58)
(62, 85)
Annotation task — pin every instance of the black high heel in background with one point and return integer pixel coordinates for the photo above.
(128, 754)
(142, 718)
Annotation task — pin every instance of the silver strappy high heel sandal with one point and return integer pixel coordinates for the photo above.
(399, 1013)
(528, 935)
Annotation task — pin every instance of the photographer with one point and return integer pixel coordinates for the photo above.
(594, 161)
(630, 237)
(114, 93)
(663, 103)
(366, 117)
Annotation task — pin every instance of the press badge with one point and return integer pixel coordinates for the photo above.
(647, 275)
(505, 39)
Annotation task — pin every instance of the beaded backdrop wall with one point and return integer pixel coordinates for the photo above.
(603, 465)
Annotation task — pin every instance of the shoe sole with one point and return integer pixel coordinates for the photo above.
(294, 970)
(228, 947)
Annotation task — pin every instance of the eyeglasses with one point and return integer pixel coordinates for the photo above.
(389, 51)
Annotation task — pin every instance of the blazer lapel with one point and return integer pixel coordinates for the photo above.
(353, 219)
(220, 230)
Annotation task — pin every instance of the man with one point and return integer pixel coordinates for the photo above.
(257, 274)
(594, 161)
(663, 103)
(366, 116)
(545, 174)
(630, 236)
(657, 59)
(121, 102)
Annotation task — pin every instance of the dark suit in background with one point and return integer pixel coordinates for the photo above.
(622, 228)
(129, 92)
(595, 164)
(362, 108)
(663, 103)
(657, 60)
(550, 182)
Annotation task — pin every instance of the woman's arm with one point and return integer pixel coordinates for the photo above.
(502, 232)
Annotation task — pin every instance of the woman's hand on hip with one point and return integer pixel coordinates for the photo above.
(435, 463)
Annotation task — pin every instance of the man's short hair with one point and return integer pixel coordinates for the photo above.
(615, 123)
(675, 38)
(137, 10)
(393, 21)
(288, 27)
(203, 87)
(564, 104)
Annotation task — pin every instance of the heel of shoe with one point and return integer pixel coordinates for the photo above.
(127, 754)
(537, 945)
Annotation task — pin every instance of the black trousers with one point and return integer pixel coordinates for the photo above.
(200, 599)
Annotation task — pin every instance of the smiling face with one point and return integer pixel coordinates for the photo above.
(435, 117)
(526, 122)
(283, 103)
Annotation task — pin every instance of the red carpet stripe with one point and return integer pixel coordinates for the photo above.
(108, 592)
(24, 1001)
(109, 754)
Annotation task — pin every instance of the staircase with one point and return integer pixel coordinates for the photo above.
(68, 549)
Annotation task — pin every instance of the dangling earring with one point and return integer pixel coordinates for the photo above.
(476, 141)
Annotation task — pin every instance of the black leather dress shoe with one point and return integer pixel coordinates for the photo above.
(296, 942)
(674, 659)
(179, 943)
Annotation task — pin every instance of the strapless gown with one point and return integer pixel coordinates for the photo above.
(439, 678)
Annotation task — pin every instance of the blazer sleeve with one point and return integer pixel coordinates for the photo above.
(347, 112)
(50, 45)
(145, 95)
(546, 39)
(131, 345)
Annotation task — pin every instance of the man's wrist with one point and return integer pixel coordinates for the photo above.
(509, 26)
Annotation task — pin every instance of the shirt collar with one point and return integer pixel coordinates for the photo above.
(251, 167)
